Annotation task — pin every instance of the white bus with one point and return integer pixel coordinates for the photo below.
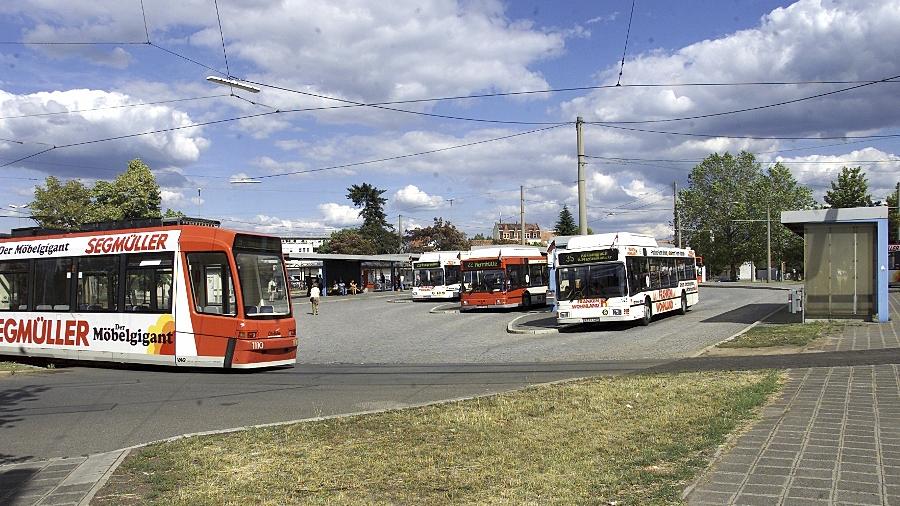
(436, 276)
(620, 277)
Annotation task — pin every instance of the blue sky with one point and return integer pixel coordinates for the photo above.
(393, 51)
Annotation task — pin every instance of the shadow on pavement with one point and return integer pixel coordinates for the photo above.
(14, 482)
(747, 314)
(11, 400)
(793, 360)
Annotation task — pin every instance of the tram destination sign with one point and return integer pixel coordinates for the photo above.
(481, 264)
(586, 257)
(427, 265)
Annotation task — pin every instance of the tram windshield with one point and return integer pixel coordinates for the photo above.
(262, 284)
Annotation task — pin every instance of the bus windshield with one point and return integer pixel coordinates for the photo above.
(262, 284)
(592, 281)
(488, 280)
(429, 277)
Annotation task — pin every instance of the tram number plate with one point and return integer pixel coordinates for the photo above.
(256, 345)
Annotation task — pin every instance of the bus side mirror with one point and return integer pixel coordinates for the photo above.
(647, 280)
(527, 279)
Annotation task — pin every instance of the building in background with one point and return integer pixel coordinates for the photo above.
(513, 232)
(294, 245)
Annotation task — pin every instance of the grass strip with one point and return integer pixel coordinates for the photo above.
(14, 367)
(630, 439)
(788, 334)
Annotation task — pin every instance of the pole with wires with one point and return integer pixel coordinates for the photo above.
(582, 199)
(675, 220)
(522, 211)
(400, 233)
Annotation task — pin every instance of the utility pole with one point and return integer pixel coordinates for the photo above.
(675, 213)
(898, 213)
(400, 232)
(522, 211)
(582, 198)
(769, 242)
(198, 202)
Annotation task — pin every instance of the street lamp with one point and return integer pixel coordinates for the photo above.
(233, 83)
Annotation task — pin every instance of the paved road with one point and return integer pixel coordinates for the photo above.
(370, 330)
(412, 357)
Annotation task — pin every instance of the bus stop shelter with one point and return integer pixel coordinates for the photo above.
(845, 261)
(374, 272)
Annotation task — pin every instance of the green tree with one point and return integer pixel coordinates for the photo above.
(440, 236)
(893, 218)
(133, 194)
(348, 241)
(851, 189)
(721, 189)
(480, 237)
(565, 225)
(375, 227)
(777, 190)
(62, 205)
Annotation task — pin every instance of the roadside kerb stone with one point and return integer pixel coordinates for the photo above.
(513, 326)
(446, 308)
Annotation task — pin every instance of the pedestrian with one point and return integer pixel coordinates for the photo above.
(353, 287)
(314, 298)
(342, 286)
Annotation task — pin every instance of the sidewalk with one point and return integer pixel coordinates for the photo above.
(832, 437)
(56, 481)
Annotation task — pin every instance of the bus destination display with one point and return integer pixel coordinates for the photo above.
(427, 265)
(481, 264)
(584, 257)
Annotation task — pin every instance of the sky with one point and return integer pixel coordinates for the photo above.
(86, 86)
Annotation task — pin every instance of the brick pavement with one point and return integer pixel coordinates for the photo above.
(68, 481)
(833, 437)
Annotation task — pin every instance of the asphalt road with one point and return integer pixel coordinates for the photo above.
(367, 329)
(410, 357)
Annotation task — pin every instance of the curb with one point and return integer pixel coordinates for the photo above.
(511, 329)
(738, 334)
(438, 309)
(86, 500)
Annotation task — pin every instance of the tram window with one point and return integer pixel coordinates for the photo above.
(52, 284)
(148, 283)
(211, 283)
(98, 283)
(14, 285)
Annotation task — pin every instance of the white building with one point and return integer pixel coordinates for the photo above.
(294, 245)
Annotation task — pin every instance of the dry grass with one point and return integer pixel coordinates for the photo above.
(16, 367)
(789, 334)
(631, 439)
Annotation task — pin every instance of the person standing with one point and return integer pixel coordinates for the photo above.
(314, 298)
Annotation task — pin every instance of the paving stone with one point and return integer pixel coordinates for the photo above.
(726, 477)
(807, 482)
(702, 496)
(860, 477)
(809, 493)
(726, 488)
(61, 499)
(844, 496)
(754, 500)
(858, 486)
(797, 501)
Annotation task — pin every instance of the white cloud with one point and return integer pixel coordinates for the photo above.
(41, 132)
(411, 197)
(338, 215)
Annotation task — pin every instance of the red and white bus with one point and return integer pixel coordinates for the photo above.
(622, 276)
(172, 292)
(436, 276)
(503, 277)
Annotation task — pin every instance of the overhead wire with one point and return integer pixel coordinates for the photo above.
(625, 49)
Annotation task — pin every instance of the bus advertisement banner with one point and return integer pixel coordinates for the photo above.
(91, 245)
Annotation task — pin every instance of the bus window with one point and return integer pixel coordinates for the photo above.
(14, 285)
(211, 283)
(537, 275)
(98, 283)
(52, 284)
(452, 274)
(148, 283)
(515, 276)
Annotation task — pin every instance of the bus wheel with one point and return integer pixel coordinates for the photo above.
(648, 312)
(526, 300)
(683, 303)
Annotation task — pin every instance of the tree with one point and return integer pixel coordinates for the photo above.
(480, 237)
(893, 218)
(721, 189)
(375, 227)
(348, 241)
(133, 194)
(565, 225)
(440, 236)
(851, 189)
(778, 191)
(61, 206)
